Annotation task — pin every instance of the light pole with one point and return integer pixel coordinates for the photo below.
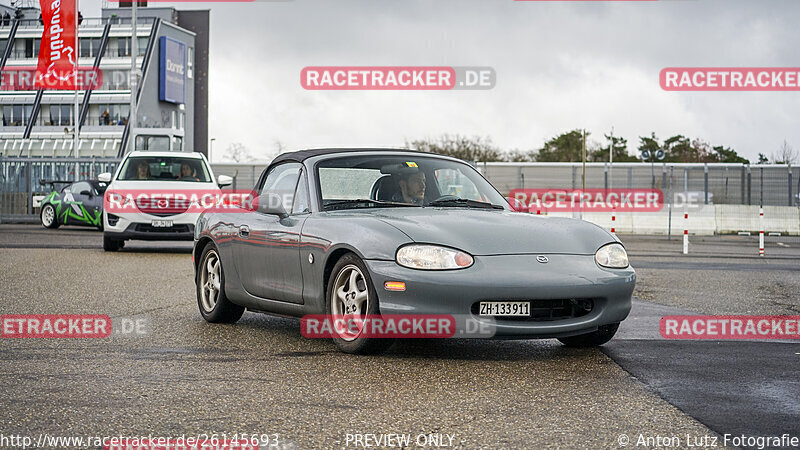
(210, 148)
(134, 81)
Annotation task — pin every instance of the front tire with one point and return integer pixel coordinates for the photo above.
(210, 286)
(597, 338)
(48, 216)
(110, 244)
(351, 293)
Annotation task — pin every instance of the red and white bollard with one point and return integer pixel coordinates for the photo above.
(613, 219)
(685, 233)
(761, 231)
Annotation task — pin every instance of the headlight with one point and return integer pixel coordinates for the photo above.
(432, 257)
(613, 256)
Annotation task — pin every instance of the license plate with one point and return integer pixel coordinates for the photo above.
(518, 309)
(161, 223)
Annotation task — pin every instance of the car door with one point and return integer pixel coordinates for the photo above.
(266, 250)
(75, 201)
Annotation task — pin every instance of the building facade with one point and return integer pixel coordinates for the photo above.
(172, 96)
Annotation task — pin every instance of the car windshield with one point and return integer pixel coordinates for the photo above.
(165, 168)
(411, 180)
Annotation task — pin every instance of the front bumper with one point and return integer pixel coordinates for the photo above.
(138, 227)
(512, 278)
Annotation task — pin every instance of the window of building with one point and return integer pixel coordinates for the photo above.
(142, 43)
(17, 115)
(108, 114)
(152, 143)
(123, 47)
(61, 115)
(28, 48)
(90, 47)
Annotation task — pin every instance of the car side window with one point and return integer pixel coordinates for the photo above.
(79, 187)
(282, 181)
(301, 196)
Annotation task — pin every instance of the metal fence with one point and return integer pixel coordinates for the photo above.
(711, 184)
(731, 184)
(19, 181)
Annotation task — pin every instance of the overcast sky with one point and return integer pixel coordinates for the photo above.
(560, 66)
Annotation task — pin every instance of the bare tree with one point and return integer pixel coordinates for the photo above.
(785, 155)
(237, 152)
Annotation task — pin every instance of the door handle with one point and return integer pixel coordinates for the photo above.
(244, 231)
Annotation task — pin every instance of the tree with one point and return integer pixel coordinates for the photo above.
(564, 147)
(785, 155)
(762, 159)
(650, 144)
(469, 149)
(520, 156)
(237, 152)
(680, 148)
(728, 155)
(620, 146)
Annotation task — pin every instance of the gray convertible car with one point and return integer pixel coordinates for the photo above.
(361, 233)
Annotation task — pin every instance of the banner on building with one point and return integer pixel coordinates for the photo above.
(58, 51)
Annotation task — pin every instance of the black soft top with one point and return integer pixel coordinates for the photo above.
(302, 155)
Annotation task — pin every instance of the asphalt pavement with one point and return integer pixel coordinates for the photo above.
(259, 376)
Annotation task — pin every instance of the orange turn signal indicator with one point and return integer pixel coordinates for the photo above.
(394, 286)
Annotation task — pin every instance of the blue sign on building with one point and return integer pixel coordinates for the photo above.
(172, 71)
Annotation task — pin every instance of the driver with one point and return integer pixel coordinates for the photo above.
(143, 170)
(412, 188)
(187, 173)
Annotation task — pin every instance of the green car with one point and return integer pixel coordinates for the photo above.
(77, 203)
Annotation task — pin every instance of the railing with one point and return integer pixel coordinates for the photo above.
(95, 22)
(19, 181)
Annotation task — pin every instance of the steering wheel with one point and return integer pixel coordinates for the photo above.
(446, 197)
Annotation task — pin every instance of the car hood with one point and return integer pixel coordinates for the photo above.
(493, 232)
(166, 185)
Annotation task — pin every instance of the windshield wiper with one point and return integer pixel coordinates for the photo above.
(464, 202)
(366, 202)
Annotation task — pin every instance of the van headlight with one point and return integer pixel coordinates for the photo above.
(432, 257)
(612, 256)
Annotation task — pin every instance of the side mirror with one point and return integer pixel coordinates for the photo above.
(224, 180)
(517, 205)
(271, 203)
(105, 177)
